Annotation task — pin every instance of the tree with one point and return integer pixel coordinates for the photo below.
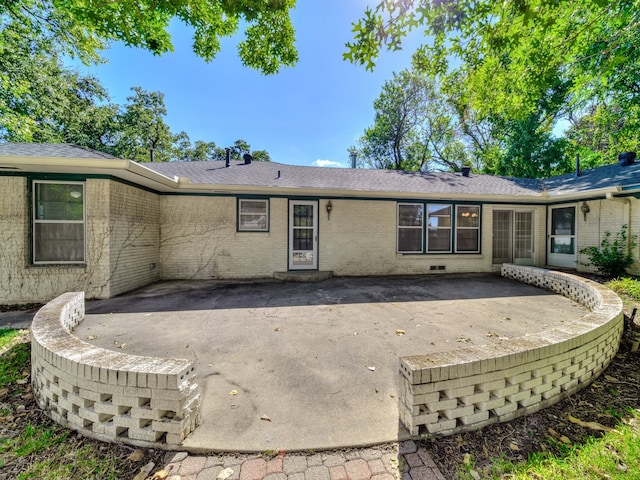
(513, 53)
(518, 68)
(413, 129)
(144, 136)
(83, 28)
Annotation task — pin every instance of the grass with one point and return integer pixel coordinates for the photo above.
(34, 447)
(616, 455)
(627, 286)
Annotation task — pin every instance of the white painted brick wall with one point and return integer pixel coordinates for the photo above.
(143, 401)
(469, 388)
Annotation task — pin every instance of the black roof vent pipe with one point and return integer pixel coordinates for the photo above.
(627, 158)
(227, 160)
(247, 159)
(466, 171)
(577, 165)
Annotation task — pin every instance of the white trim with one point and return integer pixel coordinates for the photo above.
(313, 253)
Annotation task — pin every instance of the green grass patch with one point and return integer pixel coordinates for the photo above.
(615, 455)
(13, 364)
(55, 458)
(627, 286)
(8, 335)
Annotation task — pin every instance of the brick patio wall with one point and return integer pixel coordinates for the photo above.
(112, 396)
(450, 392)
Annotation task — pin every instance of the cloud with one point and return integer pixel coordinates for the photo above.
(327, 163)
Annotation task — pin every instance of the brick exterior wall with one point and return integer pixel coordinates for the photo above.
(135, 237)
(451, 392)
(144, 401)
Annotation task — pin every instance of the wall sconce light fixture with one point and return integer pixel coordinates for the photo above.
(329, 208)
(584, 208)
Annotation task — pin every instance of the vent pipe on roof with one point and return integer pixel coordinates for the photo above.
(227, 160)
(627, 158)
(278, 175)
(247, 159)
(466, 171)
(577, 165)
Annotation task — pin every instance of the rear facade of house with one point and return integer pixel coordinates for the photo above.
(74, 219)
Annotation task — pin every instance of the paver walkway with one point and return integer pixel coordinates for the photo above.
(405, 460)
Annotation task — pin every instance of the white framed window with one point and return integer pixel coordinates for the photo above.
(410, 227)
(439, 228)
(468, 228)
(253, 215)
(58, 222)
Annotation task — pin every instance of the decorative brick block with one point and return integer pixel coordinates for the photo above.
(105, 394)
(449, 392)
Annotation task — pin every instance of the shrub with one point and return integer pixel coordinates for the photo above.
(612, 258)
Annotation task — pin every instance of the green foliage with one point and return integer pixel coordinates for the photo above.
(517, 68)
(12, 362)
(625, 286)
(616, 455)
(612, 258)
(414, 128)
(82, 28)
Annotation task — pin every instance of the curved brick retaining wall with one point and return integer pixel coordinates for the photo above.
(450, 392)
(144, 401)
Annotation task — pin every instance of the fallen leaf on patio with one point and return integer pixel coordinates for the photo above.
(147, 314)
(210, 365)
(373, 369)
(224, 474)
(123, 345)
(591, 425)
(491, 334)
(160, 475)
(233, 392)
(277, 329)
(136, 456)
(266, 418)
(463, 339)
(400, 332)
(92, 337)
(377, 391)
(514, 447)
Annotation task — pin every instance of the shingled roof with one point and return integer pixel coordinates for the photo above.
(272, 174)
(62, 150)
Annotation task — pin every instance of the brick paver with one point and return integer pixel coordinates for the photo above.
(255, 469)
(373, 463)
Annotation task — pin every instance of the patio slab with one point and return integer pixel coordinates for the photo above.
(300, 366)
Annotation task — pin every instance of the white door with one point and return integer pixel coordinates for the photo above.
(562, 237)
(303, 235)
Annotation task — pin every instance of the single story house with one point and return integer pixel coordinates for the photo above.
(74, 219)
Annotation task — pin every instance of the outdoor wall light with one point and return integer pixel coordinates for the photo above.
(584, 208)
(329, 208)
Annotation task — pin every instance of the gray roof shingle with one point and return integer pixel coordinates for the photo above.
(271, 174)
(63, 150)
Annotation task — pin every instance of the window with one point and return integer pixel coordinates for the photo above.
(439, 226)
(253, 215)
(467, 228)
(410, 224)
(58, 222)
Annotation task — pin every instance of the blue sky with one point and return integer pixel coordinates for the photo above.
(306, 115)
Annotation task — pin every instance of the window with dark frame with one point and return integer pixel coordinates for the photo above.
(443, 234)
(58, 222)
(439, 229)
(468, 228)
(410, 227)
(253, 215)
